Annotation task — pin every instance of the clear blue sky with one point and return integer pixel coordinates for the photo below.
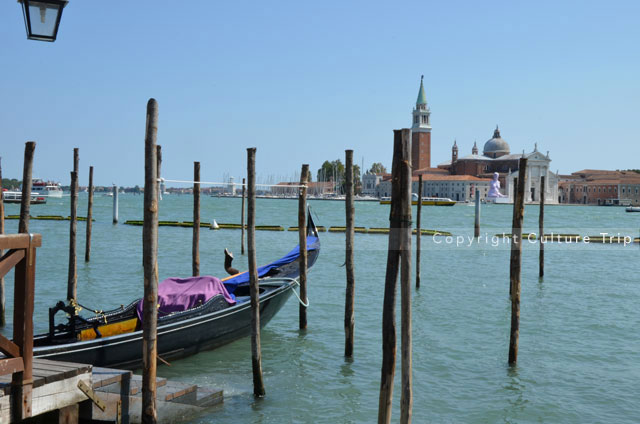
(303, 81)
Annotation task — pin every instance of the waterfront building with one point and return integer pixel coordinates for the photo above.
(496, 157)
(370, 182)
(314, 189)
(600, 187)
(460, 188)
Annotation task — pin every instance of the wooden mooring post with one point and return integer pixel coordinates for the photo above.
(195, 251)
(87, 245)
(2, 294)
(476, 226)
(541, 226)
(242, 223)
(115, 204)
(513, 221)
(516, 262)
(23, 300)
(256, 354)
(302, 240)
(72, 281)
(418, 231)
(150, 262)
(398, 259)
(159, 168)
(349, 314)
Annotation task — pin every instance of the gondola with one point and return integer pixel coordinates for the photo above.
(114, 338)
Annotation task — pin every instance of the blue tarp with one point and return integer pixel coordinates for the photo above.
(243, 278)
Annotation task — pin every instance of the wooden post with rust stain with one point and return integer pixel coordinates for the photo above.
(87, 245)
(516, 263)
(418, 231)
(2, 294)
(398, 259)
(349, 314)
(72, 282)
(476, 226)
(242, 223)
(302, 240)
(541, 225)
(256, 354)
(150, 262)
(23, 316)
(195, 251)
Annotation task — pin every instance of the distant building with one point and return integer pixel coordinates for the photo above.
(421, 132)
(370, 182)
(496, 157)
(460, 188)
(290, 189)
(600, 187)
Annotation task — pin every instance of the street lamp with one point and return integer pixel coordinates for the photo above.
(42, 18)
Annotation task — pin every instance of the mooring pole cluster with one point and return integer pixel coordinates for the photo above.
(398, 259)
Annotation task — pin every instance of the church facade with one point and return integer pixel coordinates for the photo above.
(496, 157)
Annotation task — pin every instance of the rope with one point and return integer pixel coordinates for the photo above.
(162, 180)
(296, 282)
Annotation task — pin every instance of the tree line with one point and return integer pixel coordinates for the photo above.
(334, 171)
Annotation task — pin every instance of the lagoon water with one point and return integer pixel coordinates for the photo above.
(579, 357)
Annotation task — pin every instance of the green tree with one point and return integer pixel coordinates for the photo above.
(331, 171)
(11, 184)
(378, 168)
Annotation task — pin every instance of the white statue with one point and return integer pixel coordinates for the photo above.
(494, 189)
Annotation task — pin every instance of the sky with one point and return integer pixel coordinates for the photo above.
(303, 81)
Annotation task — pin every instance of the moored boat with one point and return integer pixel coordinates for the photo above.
(16, 197)
(216, 312)
(46, 188)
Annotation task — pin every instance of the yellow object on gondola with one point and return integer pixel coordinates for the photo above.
(122, 327)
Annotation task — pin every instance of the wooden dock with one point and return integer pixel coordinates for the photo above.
(58, 395)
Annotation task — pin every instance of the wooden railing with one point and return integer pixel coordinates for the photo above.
(18, 353)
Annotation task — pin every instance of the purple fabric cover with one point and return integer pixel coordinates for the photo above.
(180, 294)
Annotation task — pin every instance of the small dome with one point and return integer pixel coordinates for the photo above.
(496, 146)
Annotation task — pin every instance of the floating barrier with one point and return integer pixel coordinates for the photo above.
(49, 218)
(320, 229)
(189, 224)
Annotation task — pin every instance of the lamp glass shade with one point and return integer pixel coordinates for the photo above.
(42, 18)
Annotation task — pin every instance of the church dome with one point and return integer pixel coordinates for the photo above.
(496, 146)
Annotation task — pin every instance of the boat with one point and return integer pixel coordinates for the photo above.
(46, 188)
(633, 209)
(16, 197)
(426, 201)
(114, 338)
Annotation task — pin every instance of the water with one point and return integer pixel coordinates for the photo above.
(578, 358)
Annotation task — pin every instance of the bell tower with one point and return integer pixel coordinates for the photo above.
(454, 152)
(421, 132)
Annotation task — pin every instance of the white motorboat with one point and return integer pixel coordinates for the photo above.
(46, 188)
